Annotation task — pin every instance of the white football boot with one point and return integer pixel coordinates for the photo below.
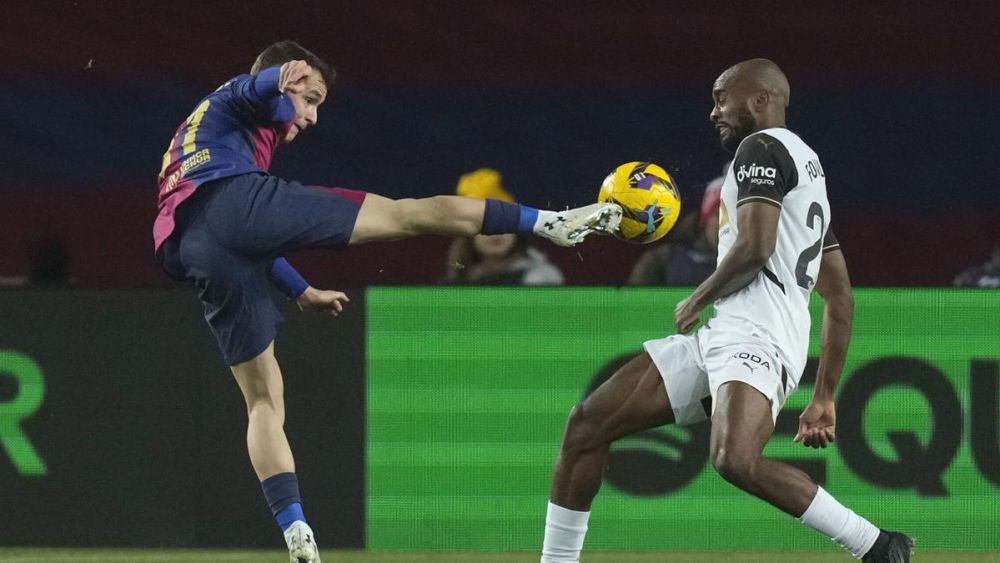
(301, 543)
(571, 226)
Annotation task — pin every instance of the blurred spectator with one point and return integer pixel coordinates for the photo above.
(986, 274)
(685, 262)
(496, 259)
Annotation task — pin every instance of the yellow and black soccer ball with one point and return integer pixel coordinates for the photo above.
(648, 197)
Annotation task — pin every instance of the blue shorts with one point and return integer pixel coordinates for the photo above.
(228, 234)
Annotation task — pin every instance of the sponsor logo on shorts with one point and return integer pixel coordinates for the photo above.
(747, 358)
(757, 174)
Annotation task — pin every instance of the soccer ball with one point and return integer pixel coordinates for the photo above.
(649, 200)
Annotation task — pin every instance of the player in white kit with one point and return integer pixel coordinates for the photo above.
(775, 246)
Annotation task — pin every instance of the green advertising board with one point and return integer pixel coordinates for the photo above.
(469, 389)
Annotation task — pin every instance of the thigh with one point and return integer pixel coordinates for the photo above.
(262, 216)
(379, 219)
(632, 400)
(235, 293)
(741, 423)
(678, 359)
(754, 363)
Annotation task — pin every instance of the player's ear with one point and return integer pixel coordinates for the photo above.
(761, 99)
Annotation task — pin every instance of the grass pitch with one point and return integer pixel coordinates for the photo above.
(198, 556)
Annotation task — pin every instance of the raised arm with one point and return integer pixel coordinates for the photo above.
(263, 91)
(818, 422)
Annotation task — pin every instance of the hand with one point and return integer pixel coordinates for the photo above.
(817, 424)
(322, 301)
(292, 76)
(686, 315)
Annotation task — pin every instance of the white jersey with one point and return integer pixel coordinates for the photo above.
(776, 167)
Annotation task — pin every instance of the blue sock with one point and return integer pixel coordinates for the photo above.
(503, 217)
(529, 216)
(282, 494)
(290, 514)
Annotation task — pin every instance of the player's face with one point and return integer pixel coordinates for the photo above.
(494, 246)
(731, 114)
(306, 104)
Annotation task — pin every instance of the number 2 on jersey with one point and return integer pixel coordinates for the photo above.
(810, 253)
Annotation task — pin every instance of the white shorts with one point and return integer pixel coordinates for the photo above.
(694, 366)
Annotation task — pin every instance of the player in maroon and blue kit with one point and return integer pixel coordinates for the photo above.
(224, 224)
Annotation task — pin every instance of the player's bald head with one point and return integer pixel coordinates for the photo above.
(755, 75)
(749, 96)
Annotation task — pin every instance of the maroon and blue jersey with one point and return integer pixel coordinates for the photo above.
(231, 239)
(232, 131)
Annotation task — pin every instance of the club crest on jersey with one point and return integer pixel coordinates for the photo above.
(757, 174)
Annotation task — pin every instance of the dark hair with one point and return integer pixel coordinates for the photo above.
(281, 52)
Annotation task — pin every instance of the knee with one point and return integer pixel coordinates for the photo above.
(734, 466)
(272, 411)
(265, 401)
(583, 431)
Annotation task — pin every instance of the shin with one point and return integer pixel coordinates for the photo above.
(260, 381)
(386, 219)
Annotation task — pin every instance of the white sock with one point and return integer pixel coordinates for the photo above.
(564, 533)
(841, 524)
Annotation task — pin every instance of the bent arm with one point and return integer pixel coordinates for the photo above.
(758, 234)
(262, 91)
(834, 286)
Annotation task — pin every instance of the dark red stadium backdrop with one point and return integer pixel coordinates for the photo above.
(897, 97)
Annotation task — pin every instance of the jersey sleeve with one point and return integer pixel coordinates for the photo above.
(287, 279)
(261, 92)
(764, 171)
(830, 241)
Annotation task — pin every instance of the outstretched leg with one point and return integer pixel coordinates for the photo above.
(260, 381)
(741, 426)
(633, 399)
(382, 218)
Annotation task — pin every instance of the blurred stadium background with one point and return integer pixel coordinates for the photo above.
(426, 420)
